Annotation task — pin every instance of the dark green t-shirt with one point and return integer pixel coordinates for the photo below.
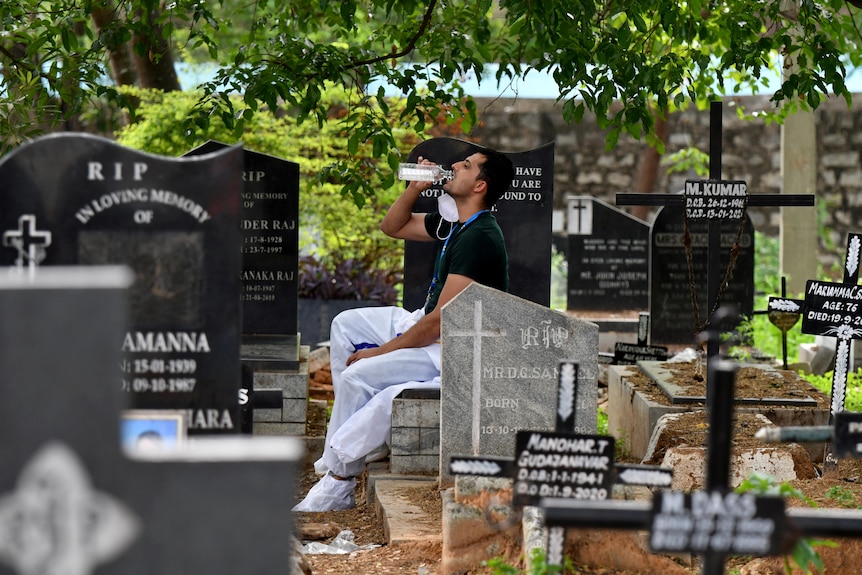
(475, 249)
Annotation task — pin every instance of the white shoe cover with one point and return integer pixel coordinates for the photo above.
(329, 494)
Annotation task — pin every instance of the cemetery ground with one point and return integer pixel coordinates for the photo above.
(595, 552)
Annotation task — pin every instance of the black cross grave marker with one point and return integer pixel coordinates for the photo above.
(715, 200)
(833, 309)
(714, 522)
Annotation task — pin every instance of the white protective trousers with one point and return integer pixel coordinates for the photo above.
(362, 412)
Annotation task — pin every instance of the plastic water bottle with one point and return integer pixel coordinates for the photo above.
(423, 173)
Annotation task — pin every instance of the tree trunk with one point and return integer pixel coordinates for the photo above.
(155, 62)
(647, 173)
(122, 65)
(146, 62)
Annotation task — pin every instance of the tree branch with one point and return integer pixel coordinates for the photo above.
(426, 21)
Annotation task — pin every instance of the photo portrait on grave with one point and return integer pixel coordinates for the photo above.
(377, 352)
(151, 429)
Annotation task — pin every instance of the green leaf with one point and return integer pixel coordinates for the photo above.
(353, 144)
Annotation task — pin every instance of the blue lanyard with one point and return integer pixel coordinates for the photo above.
(452, 232)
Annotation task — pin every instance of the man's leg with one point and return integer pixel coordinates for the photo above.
(348, 448)
(360, 382)
(354, 386)
(358, 328)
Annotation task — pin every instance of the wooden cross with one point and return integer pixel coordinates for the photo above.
(715, 200)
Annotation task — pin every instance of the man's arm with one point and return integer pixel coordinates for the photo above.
(400, 222)
(426, 331)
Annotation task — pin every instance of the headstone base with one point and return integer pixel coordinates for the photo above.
(292, 417)
(415, 443)
(478, 525)
(271, 352)
(786, 462)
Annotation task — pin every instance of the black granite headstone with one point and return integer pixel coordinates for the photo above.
(71, 199)
(608, 257)
(671, 310)
(71, 501)
(524, 213)
(269, 227)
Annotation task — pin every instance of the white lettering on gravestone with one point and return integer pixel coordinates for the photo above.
(253, 176)
(550, 336)
(210, 419)
(140, 195)
(29, 242)
(95, 169)
(169, 342)
(477, 333)
(55, 523)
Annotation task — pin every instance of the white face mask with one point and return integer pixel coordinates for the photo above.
(447, 207)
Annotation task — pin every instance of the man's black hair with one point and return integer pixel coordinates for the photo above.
(498, 172)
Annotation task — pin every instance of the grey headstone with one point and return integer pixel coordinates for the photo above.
(71, 501)
(71, 199)
(501, 357)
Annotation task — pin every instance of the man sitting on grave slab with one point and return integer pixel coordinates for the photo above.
(376, 352)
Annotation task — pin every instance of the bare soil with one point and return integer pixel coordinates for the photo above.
(845, 492)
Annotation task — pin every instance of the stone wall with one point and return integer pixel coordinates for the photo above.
(751, 152)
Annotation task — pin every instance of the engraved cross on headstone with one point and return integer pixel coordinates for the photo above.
(477, 333)
(580, 216)
(29, 242)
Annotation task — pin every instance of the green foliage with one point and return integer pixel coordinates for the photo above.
(687, 159)
(853, 399)
(559, 274)
(333, 229)
(536, 565)
(602, 422)
(804, 554)
(53, 58)
(758, 331)
(842, 496)
(624, 62)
